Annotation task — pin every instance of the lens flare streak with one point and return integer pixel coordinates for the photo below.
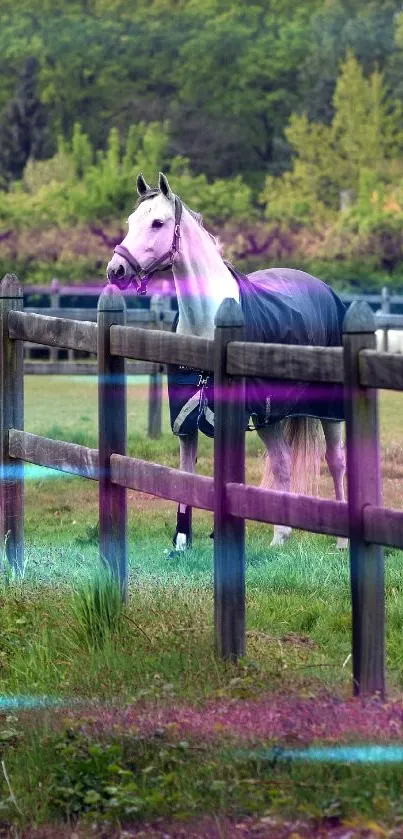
(329, 754)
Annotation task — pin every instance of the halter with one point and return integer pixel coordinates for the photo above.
(145, 274)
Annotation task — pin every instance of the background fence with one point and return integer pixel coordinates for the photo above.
(357, 365)
(159, 310)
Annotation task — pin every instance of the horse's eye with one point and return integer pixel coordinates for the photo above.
(157, 223)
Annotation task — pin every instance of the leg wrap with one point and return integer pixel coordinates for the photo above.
(184, 525)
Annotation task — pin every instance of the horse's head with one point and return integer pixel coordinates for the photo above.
(152, 240)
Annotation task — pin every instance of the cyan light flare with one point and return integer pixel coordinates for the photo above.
(32, 472)
(388, 753)
(31, 703)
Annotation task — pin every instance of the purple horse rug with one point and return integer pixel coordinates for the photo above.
(280, 306)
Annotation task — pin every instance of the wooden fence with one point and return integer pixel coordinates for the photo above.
(357, 364)
(158, 316)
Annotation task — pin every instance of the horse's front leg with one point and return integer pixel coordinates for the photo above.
(188, 458)
(278, 463)
(336, 461)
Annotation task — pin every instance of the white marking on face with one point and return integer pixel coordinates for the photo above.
(144, 241)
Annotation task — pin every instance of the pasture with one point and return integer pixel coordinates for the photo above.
(159, 657)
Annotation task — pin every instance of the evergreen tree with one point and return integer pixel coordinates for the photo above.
(365, 136)
(23, 126)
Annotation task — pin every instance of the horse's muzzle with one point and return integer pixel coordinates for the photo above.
(118, 276)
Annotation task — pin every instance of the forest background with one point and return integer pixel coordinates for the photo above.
(280, 120)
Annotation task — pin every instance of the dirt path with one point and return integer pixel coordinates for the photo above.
(214, 828)
(276, 718)
(289, 722)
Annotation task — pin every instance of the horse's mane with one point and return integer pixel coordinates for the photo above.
(199, 218)
(151, 193)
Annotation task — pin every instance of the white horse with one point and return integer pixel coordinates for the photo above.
(164, 233)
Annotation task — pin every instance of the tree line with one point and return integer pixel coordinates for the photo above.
(272, 113)
(227, 76)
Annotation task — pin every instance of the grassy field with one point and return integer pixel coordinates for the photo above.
(159, 653)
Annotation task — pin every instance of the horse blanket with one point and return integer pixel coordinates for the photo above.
(280, 306)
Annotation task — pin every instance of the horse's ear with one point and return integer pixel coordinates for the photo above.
(142, 185)
(164, 185)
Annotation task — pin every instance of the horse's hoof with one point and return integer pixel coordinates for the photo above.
(280, 537)
(341, 544)
(174, 554)
(181, 542)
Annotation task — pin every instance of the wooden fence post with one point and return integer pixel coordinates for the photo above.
(229, 466)
(385, 309)
(112, 436)
(364, 487)
(11, 416)
(155, 387)
(54, 304)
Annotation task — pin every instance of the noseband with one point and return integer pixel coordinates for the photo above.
(141, 275)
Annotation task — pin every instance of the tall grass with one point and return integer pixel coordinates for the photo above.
(97, 610)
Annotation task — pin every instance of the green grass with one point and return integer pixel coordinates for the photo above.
(168, 627)
(125, 777)
(161, 650)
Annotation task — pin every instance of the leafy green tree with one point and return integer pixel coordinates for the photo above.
(82, 153)
(243, 102)
(366, 29)
(153, 61)
(22, 126)
(219, 200)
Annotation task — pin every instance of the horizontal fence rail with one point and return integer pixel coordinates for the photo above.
(382, 321)
(384, 298)
(274, 361)
(132, 315)
(303, 512)
(279, 361)
(381, 370)
(85, 368)
(56, 291)
(362, 518)
(162, 481)
(186, 350)
(53, 332)
(54, 454)
(388, 321)
(158, 317)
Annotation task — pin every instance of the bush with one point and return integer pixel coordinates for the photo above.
(78, 186)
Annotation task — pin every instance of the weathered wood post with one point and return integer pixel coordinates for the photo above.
(155, 387)
(385, 309)
(54, 304)
(229, 466)
(112, 436)
(364, 487)
(11, 416)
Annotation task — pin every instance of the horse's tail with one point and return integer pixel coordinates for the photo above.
(304, 435)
